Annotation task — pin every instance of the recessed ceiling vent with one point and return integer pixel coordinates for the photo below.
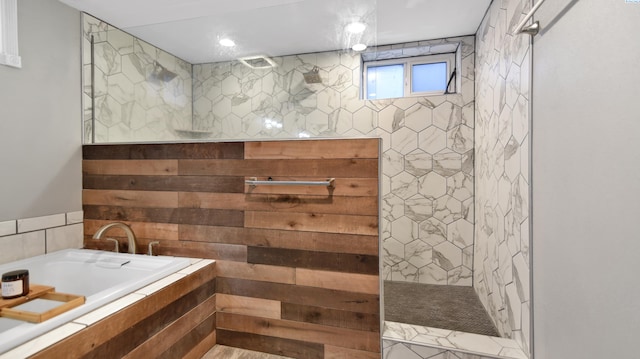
(258, 62)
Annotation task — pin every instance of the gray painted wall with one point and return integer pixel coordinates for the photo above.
(586, 180)
(40, 134)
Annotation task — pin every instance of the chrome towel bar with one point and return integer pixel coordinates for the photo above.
(254, 182)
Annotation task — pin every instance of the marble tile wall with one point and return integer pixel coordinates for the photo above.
(502, 255)
(141, 93)
(24, 238)
(427, 167)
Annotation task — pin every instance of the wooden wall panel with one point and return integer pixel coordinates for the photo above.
(346, 338)
(297, 294)
(321, 169)
(164, 151)
(174, 318)
(254, 307)
(337, 262)
(130, 167)
(313, 222)
(313, 241)
(310, 149)
(165, 183)
(298, 266)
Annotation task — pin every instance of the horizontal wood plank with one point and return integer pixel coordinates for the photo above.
(255, 307)
(288, 293)
(313, 241)
(331, 317)
(218, 251)
(130, 167)
(281, 203)
(356, 168)
(172, 333)
(159, 231)
(259, 272)
(202, 348)
(186, 344)
(335, 148)
(268, 344)
(337, 262)
(220, 150)
(347, 338)
(127, 182)
(354, 282)
(204, 216)
(312, 222)
(157, 199)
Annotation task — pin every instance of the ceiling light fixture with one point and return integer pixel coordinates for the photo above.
(359, 47)
(226, 42)
(355, 27)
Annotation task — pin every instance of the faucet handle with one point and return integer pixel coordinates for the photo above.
(151, 244)
(117, 244)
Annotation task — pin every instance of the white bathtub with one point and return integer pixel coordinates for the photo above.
(98, 275)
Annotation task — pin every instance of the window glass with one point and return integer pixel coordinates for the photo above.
(429, 77)
(385, 81)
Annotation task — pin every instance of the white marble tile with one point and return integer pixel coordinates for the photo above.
(64, 237)
(106, 310)
(43, 341)
(162, 283)
(474, 342)
(400, 351)
(38, 223)
(400, 331)
(432, 274)
(8, 228)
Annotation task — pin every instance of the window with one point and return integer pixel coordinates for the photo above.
(9, 33)
(418, 76)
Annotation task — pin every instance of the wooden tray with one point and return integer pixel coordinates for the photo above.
(69, 301)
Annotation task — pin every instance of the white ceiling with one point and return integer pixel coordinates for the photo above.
(190, 29)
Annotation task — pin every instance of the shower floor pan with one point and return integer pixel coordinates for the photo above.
(437, 306)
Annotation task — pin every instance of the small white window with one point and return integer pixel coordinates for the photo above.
(418, 76)
(9, 33)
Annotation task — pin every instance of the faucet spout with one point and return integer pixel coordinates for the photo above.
(127, 230)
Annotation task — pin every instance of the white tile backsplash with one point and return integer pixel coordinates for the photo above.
(64, 237)
(44, 222)
(75, 217)
(40, 235)
(20, 246)
(8, 228)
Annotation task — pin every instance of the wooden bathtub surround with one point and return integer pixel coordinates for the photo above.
(178, 321)
(297, 266)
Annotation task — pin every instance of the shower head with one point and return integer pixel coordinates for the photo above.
(313, 76)
(159, 73)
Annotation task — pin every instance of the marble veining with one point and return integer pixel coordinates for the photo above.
(141, 92)
(501, 252)
(403, 341)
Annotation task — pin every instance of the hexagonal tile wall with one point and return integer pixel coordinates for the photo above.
(501, 252)
(141, 92)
